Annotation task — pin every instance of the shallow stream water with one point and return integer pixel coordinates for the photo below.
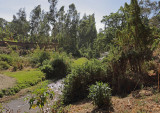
(19, 105)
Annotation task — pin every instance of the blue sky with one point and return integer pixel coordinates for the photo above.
(100, 7)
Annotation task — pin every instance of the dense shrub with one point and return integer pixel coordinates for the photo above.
(1, 94)
(76, 84)
(56, 69)
(13, 47)
(39, 56)
(4, 65)
(100, 94)
(6, 58)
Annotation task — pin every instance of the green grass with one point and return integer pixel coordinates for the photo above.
(79, 62)
(26, 78)
(40, 85)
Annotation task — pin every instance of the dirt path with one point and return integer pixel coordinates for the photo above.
(6, 82)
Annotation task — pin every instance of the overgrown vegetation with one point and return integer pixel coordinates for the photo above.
(40, 97)
(76, 84)
(38, 56)
(130, 38)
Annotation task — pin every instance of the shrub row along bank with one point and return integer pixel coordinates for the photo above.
(24, 79)
(11, 60)
(76, 84)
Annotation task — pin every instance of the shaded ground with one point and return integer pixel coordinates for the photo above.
(6, 82)
(145, 103)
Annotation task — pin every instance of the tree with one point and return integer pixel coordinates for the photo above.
(53, 11)
(59, 30)
(4, 30)
(135, 39)
(87, 34)
(3, 23)
(71, 26)
(19, 25)
(87, 31)
(44, 28)
(35, 18)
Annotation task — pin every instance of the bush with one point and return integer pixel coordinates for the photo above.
(100, 94)
(39, 56)
(76, 84)
(17, 65)
(4, 65)
(56, 69)
(1, 94)
(44, 56)
(6, 58)
(13, 47)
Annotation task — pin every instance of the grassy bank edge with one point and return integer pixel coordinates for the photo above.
(24, 79)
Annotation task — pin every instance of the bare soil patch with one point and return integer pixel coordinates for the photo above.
(6, 82)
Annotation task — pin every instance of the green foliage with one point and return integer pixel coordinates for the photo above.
(4, 65)
(100, 94)
(59, 65)
(26, 78)
(131, 48)
(56, 69)
(87, 35)
(1, 108)
(13, 47)
(1, 94)
(12, 59)
(19, 25)
(40, 98)
(79, 62)
(76, 84)
(39, 56)
(6, 58)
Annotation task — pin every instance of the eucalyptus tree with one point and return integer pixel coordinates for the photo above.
(19, 25)
(53, 16)
(44, 31)
(4, 30)
(87, 34)
(71, 30)
(3, 23)
(35, 18)
(87, 31)
(59, 30)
